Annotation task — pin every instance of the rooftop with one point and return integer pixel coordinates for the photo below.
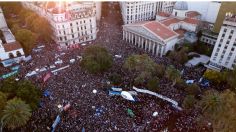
(9, 37)
(192, 14)
(170, 21)
(156, 28)
(163, 14)
(12, 46)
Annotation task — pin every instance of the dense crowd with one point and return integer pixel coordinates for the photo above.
(99, 111)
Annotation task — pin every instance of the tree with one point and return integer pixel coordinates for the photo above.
(192, 89)
(96, 59)
(214, 76)
(172, 74)
(160, 70)
(29, 20)
(28, 93)
(115, 78)
(231, 79)
(26, 38)
(220, 109)
(43, 28)
(180, 56)
(212, 104)
(140, 67)
(189, 102)
(9, 86)
(152, 84)
(16, 113)
(3, 100)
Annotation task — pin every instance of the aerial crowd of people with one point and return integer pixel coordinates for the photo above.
(98, 111)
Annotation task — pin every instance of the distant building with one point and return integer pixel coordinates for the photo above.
(152, 36)
(182, 21)
(224, 53)
(165, 6)
(209, 37)
(72, 22)
(10, 50)
(138, 11)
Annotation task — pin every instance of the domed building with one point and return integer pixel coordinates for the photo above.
(180, 9)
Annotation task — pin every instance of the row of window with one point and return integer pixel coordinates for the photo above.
(82, 28)
(73, 35)
(75, 24)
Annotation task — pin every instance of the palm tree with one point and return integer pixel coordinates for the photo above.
(15, 114)
(212, 104)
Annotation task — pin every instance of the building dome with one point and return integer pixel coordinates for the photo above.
(181, 5)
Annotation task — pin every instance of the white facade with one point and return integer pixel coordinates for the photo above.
(208, 9)
(165, 6)
(10, 50)
(72, 24)
(138, 11)
(150, 38)
(224, 53)
(209, 38)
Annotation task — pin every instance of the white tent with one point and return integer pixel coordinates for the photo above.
(127, 95)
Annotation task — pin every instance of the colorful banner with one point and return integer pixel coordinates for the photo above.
(9, 74)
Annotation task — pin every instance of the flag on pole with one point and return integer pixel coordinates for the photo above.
(47, 76)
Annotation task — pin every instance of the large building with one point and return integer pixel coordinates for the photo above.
(10, 50)
(160, 36)
(72, 22)
(152, 36)
(224, 53)
(138, 11)
(165, 6)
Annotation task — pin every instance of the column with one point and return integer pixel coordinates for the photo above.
(153, 47)
(150, 44)
(146, 45)
(161, 47)
(126, 36)
(132, 37)
(158, 47)
(129, 37)
(139, 41)
(142, 43)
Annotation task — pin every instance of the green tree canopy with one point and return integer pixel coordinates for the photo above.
(152, 84)
(96, 59)
(9, 85)
(3, 100)
(29, 93)
(173, 74)
(142, 67)
(220, 109)
(26, 38)
(214, 76)
(43, 28)
(22, 89)
(115, 78)
(16, 113)
(189, 102)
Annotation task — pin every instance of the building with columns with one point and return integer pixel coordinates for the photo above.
(151, 36)
(138, 11)
(224, 52)
(72, 22)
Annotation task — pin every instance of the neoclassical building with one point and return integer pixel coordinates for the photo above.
(138, 11)
(72, 22)
(152, 36)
